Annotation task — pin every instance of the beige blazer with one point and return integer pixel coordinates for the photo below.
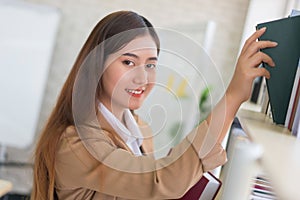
(120, 175)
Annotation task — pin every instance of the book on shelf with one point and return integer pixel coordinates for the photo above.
(256, 90)
(295, 124)
(206, 188)
(263, 94)
(262, 188)
(295, 13)
(293, 115)
(259, 94)
(265, 104)
(298, 131)
(294, 98)
(296, 120)
(286, 55)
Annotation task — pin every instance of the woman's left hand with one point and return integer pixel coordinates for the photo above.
(247, 67)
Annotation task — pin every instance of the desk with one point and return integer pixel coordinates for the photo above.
(281, 157)
(5, 187)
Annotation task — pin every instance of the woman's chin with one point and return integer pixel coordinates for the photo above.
(134, 106)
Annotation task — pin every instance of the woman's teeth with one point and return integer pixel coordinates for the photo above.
(135, 91)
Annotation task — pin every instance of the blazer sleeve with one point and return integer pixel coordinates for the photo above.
(117, 172)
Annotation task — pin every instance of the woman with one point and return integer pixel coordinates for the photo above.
(94, 146)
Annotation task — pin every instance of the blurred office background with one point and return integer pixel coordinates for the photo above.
(220, 26)
(72, 21)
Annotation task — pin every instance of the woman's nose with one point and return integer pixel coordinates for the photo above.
(140, 75)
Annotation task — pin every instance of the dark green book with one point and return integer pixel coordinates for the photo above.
(286, 32)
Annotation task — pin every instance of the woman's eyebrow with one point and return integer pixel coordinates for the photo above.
(130, 55)
(153, 58)
(137, 57)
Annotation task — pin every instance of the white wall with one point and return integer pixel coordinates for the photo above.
(26, 46)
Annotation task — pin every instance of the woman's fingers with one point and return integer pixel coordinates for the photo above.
(247, 68)
(251, 53)
(260, 57)
(261, 72)
(255, 47)
(253, 38)
(253, 70)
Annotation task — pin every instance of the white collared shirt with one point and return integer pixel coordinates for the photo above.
(130, 133)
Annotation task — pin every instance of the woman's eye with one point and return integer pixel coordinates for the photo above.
(128, 62)
(150, 66)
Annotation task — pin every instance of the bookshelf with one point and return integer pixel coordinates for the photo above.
(281, 152)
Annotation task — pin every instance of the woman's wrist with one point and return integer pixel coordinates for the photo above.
(233, 103)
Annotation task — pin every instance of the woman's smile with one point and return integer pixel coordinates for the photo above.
(136, 92)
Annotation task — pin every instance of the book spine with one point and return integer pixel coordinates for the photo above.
(294, 108)
(296, 122)
(262, 189)
(293, 97)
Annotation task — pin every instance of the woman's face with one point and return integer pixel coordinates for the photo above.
(129, 75)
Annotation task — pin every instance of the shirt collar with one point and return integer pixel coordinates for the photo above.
(128, 133)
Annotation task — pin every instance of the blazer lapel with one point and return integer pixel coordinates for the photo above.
(112, 133)
(147, 145)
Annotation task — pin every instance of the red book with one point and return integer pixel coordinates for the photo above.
(206, 188)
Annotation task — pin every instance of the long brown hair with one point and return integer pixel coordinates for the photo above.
(62, 114)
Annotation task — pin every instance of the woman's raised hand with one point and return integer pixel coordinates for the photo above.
(247, 67)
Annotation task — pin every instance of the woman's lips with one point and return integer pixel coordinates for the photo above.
(135, 92)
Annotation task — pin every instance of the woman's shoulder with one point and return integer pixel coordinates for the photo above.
(72, 150)
(71, 143)
(72, 132)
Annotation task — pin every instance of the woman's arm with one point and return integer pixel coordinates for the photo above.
(116, 172)
(239, 89)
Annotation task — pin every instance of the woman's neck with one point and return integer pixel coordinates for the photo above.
(118, 112)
